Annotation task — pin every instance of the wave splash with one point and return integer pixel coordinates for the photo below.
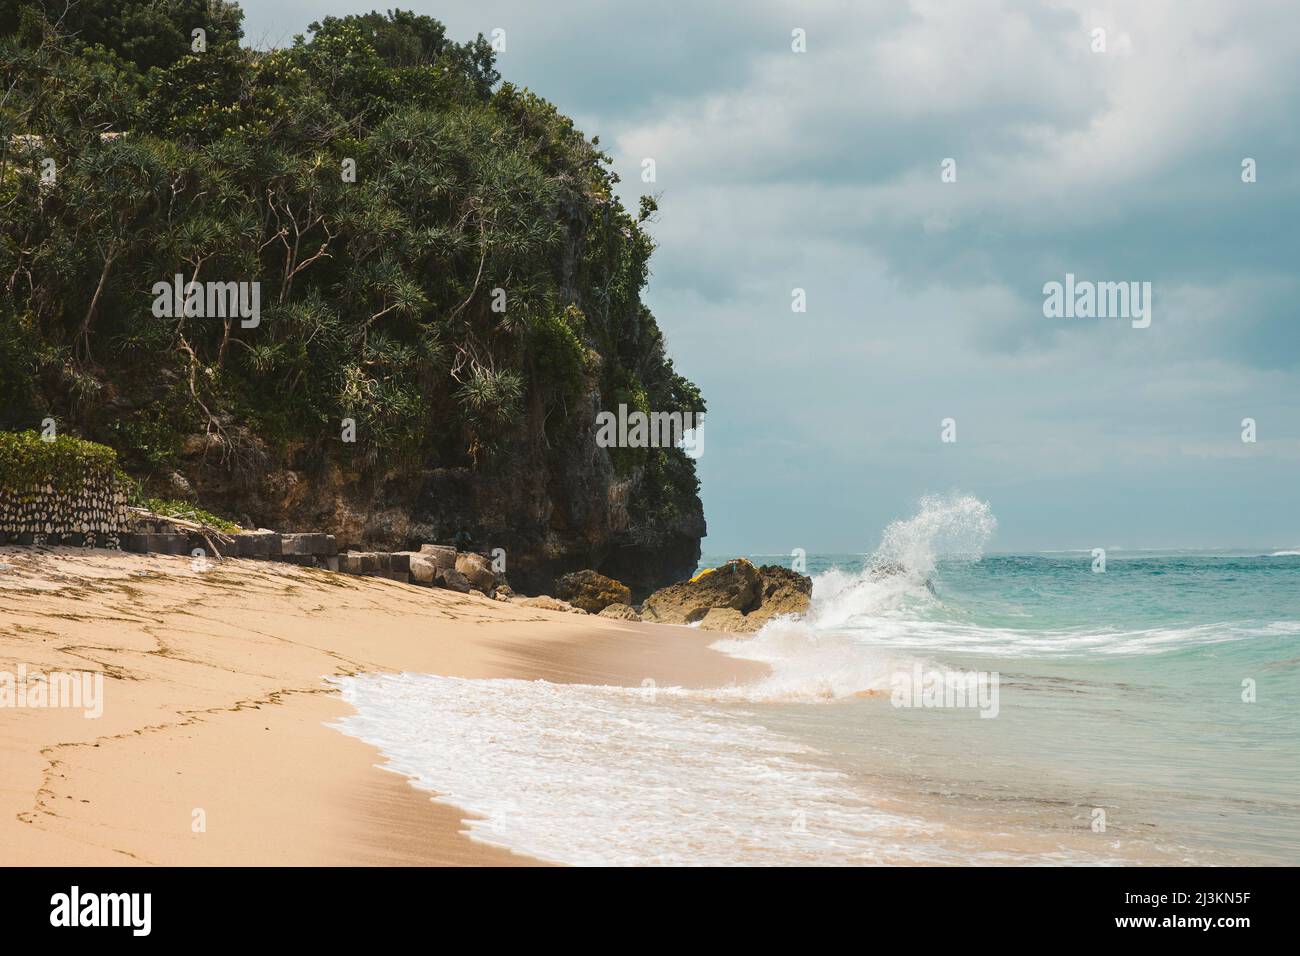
(896, 576)
(954, 527)
(818, 657)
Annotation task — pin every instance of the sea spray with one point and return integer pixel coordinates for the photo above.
(953, 526)
(822, 655)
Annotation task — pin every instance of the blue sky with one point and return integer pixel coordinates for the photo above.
(821, 170)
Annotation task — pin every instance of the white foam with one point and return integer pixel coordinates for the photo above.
(620, 776)
(809, 664)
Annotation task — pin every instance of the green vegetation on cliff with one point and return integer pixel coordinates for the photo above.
(466, 295)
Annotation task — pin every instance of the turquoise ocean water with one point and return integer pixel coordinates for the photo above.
(1164, 691)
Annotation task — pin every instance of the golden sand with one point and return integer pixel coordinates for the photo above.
(215, 707)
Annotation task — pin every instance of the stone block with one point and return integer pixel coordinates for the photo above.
(167, 543)
(423, 570)
(258, 544)
(308, 543)
(453, 580)
(443, 556)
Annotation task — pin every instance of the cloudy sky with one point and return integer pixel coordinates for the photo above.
(822, 171)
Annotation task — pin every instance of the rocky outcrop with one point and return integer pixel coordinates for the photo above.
(784, 592)
(621, 612)
(551, 516)
(735, 585)
(592, 591)
(735, 597)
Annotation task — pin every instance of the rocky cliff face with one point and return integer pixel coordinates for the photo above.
(443, 261)
(553, 509)
(551, 498)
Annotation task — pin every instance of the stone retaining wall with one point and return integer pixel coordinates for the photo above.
(92, 515)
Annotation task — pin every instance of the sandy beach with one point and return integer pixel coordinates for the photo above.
(215, 707)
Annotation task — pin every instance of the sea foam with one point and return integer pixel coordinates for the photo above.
(620, 776)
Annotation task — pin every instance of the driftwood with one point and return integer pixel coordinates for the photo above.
(206, 531)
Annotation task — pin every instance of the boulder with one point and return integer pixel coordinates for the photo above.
(478, 570)
(736, 597)
(620, 612)
(551, 604)
(452, 580)
(592, 591)
(423, 571)
(735, 585)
